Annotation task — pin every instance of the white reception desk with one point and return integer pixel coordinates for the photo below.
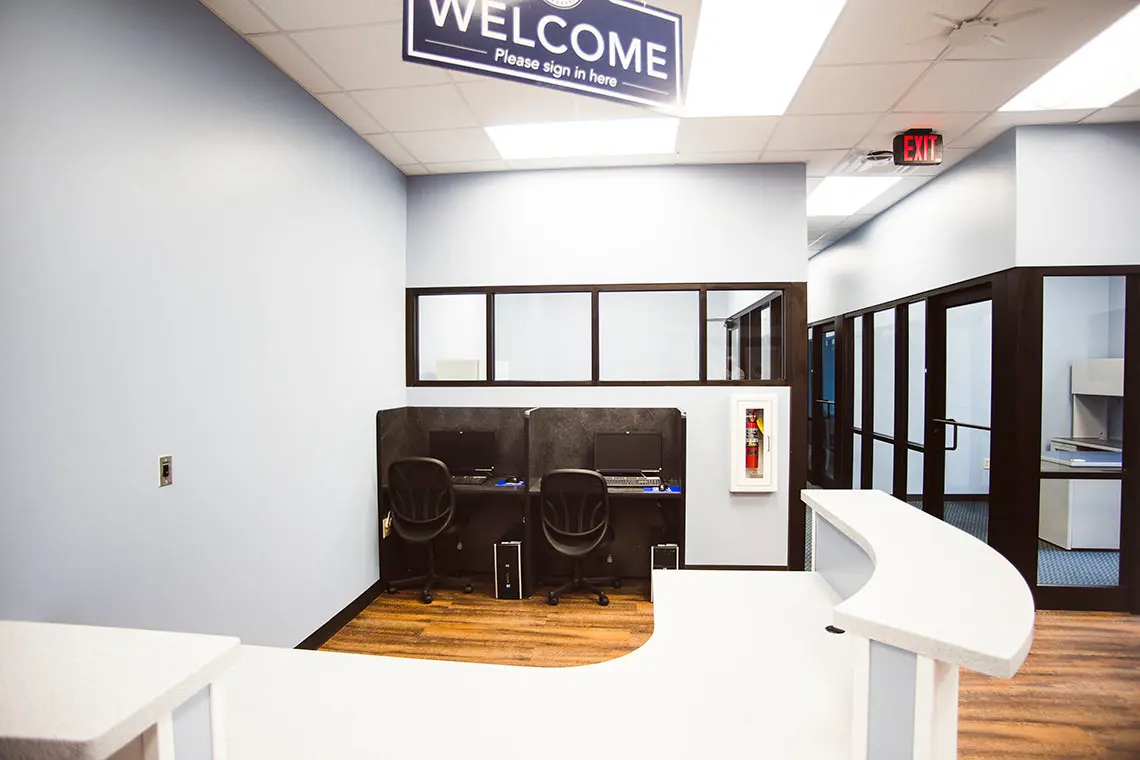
(740, 665)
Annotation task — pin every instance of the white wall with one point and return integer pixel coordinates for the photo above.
(720, 528)
(646, 224)
(1077, 191)
(958, 226)
(196, 259)
(1083, 319)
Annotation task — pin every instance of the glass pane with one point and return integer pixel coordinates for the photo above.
(542, 336)
(649, 335)
(914, 475)
(827, 403)
(856, 461)
(884, 467)
(742, 344)
(968, 338)
(1082, 389)
(453, 337)
(916, 372)
(884, 374)
(858, 337)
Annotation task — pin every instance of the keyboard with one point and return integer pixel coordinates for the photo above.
(627, 481)
(468, 480)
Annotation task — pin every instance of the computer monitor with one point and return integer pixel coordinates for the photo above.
(627, 452)
(465, 452)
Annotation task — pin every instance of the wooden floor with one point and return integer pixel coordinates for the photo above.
(1076, 697)
(479, 628)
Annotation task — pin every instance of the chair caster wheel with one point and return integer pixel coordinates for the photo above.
(603, 600)
(552, 600)
(426, 597)
(468, 589)
(617, 582)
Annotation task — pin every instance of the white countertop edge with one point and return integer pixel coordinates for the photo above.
(849, 617)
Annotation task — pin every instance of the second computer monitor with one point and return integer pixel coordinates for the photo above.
(627, 452)
(465, 452)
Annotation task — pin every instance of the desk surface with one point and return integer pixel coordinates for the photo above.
(1094, 444)
(650, 493)
(739, 666)
(77, 692)
(935, 590)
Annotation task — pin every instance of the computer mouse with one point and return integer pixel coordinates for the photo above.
(512, 478)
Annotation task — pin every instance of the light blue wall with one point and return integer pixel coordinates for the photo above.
(1077, 191)
(958, 226)
(196, 259)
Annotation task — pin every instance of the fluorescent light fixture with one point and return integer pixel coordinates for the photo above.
(1104, 70)
(843, 196)
(751, 55)
(573, 139)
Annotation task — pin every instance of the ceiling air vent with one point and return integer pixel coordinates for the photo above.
(877, 163)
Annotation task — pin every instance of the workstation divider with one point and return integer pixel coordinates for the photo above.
(530, 442)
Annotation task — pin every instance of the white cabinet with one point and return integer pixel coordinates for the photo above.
(1080, 514)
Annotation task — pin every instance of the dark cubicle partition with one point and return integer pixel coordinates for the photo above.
(564, 436)
(404, 432)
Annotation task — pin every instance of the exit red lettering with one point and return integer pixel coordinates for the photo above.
(919, 147)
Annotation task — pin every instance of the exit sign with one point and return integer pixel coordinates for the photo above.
(918, 147)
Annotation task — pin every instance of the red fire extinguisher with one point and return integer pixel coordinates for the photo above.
(751, 442)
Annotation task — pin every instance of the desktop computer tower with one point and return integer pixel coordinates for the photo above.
(662, 557)
(508, 570)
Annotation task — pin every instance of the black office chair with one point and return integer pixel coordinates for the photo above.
(576, 520)
(423, 509)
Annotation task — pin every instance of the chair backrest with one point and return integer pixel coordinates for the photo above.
(419, 490)
(575, 509)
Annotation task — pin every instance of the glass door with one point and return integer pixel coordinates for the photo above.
(958, 392)
(823, 458)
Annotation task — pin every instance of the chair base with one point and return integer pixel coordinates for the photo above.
(428, 583)
(589, 585)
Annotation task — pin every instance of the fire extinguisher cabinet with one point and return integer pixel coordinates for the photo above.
(753, 452)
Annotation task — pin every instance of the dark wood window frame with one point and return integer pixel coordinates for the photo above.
(788, 292)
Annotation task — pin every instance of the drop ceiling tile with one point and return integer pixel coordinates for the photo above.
(1114, 114)
(708, 135)
(413, 169)
(391, 149)
(465, 167)
(973, 85)
(818, 225)
(897, 192)
(366, 57)
(819, 162)
(597, 109)
(727, 157)
(497, 101)
(311, 14)
(1057, 31)
(882, 31)
(593, 162)
(854, 222)
(813, 183)
(854, 89)
(448, 145)
(950, 156)
(1131, 100)
(293, 61)
(241, 15)
(997, 123)
(812, 133)
(411, 109)
(950, 125)
(350, 112)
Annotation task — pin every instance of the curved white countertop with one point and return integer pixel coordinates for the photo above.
(79, 692)
(935, 590)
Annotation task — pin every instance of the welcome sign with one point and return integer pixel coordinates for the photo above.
(613, 49)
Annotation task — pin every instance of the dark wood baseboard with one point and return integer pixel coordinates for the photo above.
(318, 637)
(736, 567)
